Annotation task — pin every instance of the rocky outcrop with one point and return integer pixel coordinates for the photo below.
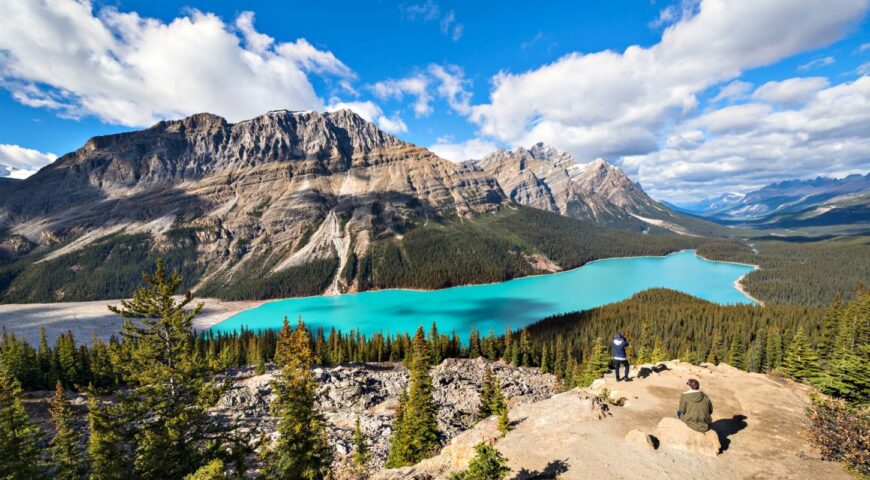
(672, 433)
(572, 436)
(370, 392)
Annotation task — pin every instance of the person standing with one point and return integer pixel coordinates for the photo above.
(618, 346)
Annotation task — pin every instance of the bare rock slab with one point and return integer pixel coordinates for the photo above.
(673, 433)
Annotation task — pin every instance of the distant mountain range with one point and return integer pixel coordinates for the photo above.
(292, 203)
(794, 203)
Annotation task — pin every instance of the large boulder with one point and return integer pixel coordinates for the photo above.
(639, 438)
(673, 433)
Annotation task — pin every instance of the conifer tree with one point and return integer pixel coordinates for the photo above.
(66, 456)
(644, 350)
(829, 330)
(737, 354)
(504, 423)
(487, 464)
(595, 365)
(361, 455)
(659, 354)
(416, 433)
(106, 458)
(525, 348)
(507, 354)
(302, 451)
(168, 381)
(546, 367)
(773, 351)
(43, 357)
(19, 454)
(800, 361)
(486, 394)
(213, 470)
(757, 359)
(714, 356)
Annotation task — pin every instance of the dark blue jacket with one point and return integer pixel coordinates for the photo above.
(617, 345)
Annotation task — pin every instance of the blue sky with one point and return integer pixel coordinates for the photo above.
(690, 98)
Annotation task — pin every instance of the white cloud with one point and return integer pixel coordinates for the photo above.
(817, 63)
(791, 91)
(733, 91)
(133, 70)
(615, 104)
(825, 135)
(459, 152)
(393, 124)
(864, 47)
(416, 86)
(732, 118)
(687, 140)
(20, 162)
(451, 87)
(431, 11)
(367, 110)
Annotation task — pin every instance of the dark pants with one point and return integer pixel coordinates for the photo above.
(619, 363)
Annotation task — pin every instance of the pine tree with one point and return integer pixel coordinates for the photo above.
(415, 434)
(595, 365)
(487, 464)
(525, 348)
(773, 350)
(737, 354)
(759, 349)
(644, 351)
(302, 451)
(546, 367)
(105, 455)
(829, 328)
(659, 354)
(486, 394)
(19, 454)
(213, 470)
(507, 354)
(361, 455)
(714, 356)
(168, 381)
(800, 361)
(66, 455)
(504, 423)
(43, 357)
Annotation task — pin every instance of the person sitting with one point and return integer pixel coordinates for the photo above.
(618, 346)
(695, 408)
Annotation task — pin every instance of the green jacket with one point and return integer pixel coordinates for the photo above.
(695, 410)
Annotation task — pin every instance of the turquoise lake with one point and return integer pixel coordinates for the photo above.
(515, 303)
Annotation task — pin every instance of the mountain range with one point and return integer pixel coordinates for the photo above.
(793, 203)
(301, 203)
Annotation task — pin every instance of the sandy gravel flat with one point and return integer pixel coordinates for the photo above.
(86, 318)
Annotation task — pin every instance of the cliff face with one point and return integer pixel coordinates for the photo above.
(252, 190)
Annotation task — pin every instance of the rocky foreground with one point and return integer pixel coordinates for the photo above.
(757, 432)
(370, 392)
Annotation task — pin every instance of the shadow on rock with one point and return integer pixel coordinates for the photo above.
(725, 427)
(550, 472)
(647, 371)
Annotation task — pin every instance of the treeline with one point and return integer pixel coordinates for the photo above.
(799, 273)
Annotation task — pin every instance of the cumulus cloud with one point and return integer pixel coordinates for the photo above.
(20, 162)
(415, 86)
(452, 87)
(472, 149)
(826, 134)
(626, 105)
(393, 124)
(791, 91)
(132, 70)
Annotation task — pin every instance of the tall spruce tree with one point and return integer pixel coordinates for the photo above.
(486, 393)
(800, 361)
(67, 457)
(595, 365)
(170, 395)
(737, 353)
(107, 457)
(19, 453)
(415, 432)
(302, 451)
